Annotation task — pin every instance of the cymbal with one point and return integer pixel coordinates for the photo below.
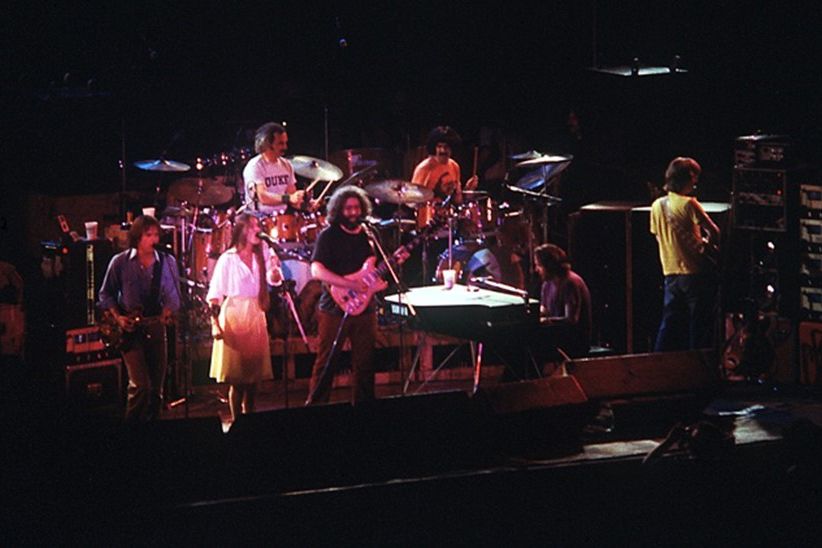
(545, 160)
(174, 211)
(530, 155)
(395, 191)
(201, 191)
(162, 165)
(315, 169)
(471, 195)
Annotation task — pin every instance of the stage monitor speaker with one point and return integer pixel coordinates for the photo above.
(637, 374)
(418, 434)
(516, 397)
(541, 417)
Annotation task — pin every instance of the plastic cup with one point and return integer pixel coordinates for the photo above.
(449, 278)
(91, 230)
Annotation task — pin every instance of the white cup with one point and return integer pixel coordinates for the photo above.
(449, 278)
(91, 230)
(150, 211)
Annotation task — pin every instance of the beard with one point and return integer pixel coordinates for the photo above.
(350, 222)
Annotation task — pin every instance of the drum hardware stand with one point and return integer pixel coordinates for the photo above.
(189, 307)
(545, 200)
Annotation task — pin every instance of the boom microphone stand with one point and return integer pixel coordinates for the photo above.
(398, 284)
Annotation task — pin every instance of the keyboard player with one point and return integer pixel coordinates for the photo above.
(565, 302)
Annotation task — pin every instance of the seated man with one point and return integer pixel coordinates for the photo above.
(565, 319)
(565, 302)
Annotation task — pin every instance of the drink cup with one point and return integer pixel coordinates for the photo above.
(449, 278)
(91, 230)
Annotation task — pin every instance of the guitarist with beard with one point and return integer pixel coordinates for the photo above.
(342, 249)
(677, 221)
(141, 293)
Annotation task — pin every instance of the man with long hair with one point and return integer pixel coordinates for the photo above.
(238, 294)
(342, 249)
(270, 184)
(141, 292)
(439, 171)
(690, 286)
(565, 301)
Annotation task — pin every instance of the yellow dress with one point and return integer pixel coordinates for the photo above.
(242, 355)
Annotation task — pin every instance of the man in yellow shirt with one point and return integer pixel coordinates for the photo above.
(677, 221)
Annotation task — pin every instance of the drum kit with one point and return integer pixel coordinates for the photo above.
(200, 213)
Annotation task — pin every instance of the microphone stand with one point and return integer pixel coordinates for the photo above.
(398, 283)
(286, 288)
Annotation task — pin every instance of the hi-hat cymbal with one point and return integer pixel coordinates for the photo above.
(162, 165)
(545, 159)
(395, 191)
(201, 191)
(315, 169)
(530, 155)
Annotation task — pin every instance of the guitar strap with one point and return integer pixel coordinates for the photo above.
(686, 236)
(153, 308)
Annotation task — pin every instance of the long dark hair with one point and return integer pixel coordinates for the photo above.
(238, 240)
(442, 134)
(338, 199)
(553, 259)
(139, 227)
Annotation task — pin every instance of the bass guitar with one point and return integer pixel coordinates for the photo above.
(355, 302)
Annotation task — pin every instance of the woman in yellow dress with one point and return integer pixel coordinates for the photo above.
(241, 355)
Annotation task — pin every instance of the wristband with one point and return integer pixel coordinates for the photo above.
(286, 198)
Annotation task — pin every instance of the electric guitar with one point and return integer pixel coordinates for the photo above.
(116, 337)
(355, 302)
(703, 247)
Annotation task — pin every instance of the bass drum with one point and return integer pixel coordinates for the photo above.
(308, 293)
(298, 271)
(470, 260)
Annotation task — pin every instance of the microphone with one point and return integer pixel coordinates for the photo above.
(367, 220)
(268, 239)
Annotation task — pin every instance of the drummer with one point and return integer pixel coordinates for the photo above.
(439, 172)
(269, 178)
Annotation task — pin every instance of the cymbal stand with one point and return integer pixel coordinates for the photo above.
(189, 260)
(191, 302)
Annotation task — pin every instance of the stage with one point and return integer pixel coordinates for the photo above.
(438, 466)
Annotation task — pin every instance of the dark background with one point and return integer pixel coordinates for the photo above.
(194, 79)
